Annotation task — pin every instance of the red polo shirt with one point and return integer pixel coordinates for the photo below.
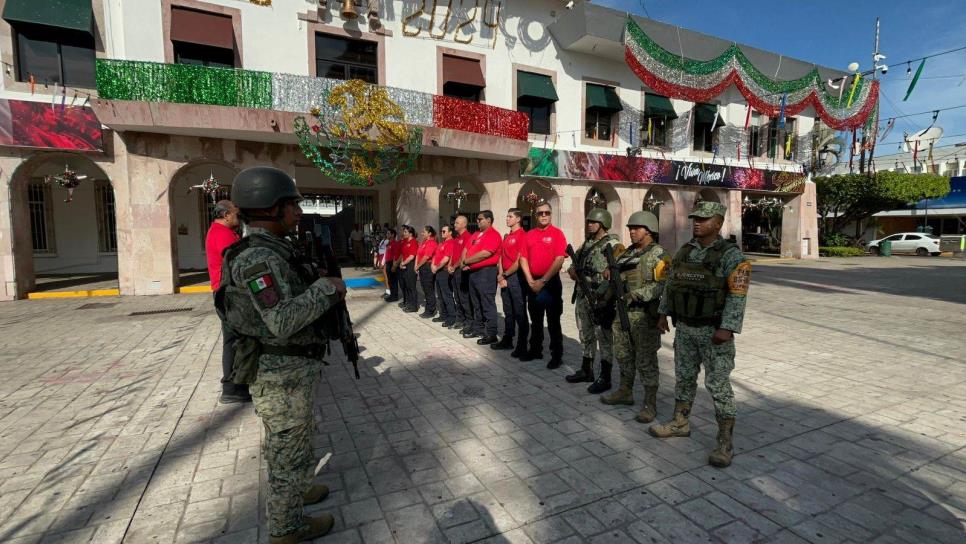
(462, 242)
(443, 250)
(393, 250)
(409, 248)
(219, 237)
(512, 245)
(542, 247)
(488, 240)
(426, 249)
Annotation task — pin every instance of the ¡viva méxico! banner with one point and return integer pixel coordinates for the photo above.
(598, 167)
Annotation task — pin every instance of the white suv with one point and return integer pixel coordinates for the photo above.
(920, 243)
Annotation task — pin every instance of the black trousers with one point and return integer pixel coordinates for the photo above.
(228, 339)
(392, 280)
(515, 308)
(549, 302)
(444, 289)
(427, 281)
(483, 295)
(461, 294)
(408, 278)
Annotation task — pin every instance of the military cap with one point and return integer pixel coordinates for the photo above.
(706, 208)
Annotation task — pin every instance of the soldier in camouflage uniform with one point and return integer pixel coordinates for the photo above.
(705, 296)
(643, 268)
(272, 300)
(594, 315)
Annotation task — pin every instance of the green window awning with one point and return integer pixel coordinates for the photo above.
(536, 87)
(705, 113)
(69, 14)
(656, 105)
(603, 98)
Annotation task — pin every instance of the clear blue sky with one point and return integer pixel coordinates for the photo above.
(836, 33)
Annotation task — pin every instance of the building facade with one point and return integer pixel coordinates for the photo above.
(518, 102)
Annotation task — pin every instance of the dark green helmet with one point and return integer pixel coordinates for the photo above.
(262, 187)
(644, 219)
(601, 216)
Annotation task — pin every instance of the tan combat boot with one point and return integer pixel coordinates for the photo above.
(649, 410)
(315, 494)
(679, 426)
(721, 456)
(314, 528)
(623, 395)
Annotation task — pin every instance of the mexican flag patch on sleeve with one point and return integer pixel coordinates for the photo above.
(264, 291)
(258, 285)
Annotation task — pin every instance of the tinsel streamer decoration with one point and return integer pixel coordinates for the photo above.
(748, 117)
(469, 116)
(678, 77)
(915, 79)
(781, 113)
(855, 84)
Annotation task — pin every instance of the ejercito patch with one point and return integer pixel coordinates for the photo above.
(739, 279)
(264, 290)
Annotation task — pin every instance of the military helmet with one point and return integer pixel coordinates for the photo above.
(600, 216)
(644, 219)
(262, 187)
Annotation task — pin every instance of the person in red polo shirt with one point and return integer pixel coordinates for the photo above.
(511, 280)
(461, 285)
(407, 269)
(444, 288)
(223, 233)
(427, 248)
(541, 258)
(391, 265)
(481, 259)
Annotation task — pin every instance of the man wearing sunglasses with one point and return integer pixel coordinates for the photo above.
(541, 258)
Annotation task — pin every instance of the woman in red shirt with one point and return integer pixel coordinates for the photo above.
(425, 269)
(407, 269)
(390, 266)
(440, 267)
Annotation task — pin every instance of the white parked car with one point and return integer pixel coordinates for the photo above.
(920, 243)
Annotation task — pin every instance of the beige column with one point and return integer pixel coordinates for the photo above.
(16, 259)
(800, 225)
(732, 221)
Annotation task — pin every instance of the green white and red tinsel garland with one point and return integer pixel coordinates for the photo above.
(678, 77)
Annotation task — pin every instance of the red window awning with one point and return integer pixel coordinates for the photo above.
(202, 27)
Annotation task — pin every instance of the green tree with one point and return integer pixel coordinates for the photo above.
(845, 198)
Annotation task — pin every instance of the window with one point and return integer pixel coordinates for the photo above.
(656, 121)
(781, 140)
(894, 238)
(202, 38)
(346, 58)
(601, 103)
(54, 55)
(463, 78)
(536, 96)
(106, 220)
(756, 135)
(911, 237)
(706, 124)
(41, 218)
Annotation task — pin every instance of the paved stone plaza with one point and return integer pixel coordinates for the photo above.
(850, 381)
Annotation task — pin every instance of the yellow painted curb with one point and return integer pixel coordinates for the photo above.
(188, 289)
(74, 294)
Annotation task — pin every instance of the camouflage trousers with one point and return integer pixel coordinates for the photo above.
(284, 404)
(639, 357)
(692, 349)
(592, 335)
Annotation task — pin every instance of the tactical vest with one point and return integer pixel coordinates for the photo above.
(633, 277)
(695, 294)
(584, 258)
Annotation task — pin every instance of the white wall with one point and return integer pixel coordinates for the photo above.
(75, 234)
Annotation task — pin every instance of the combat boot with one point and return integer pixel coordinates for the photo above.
(721, 456)
(679, 426)
(649, 410)
(603, 379)
(585, 374)
(315, 494)
(623, 395)
(314, 528)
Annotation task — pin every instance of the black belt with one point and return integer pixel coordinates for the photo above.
(310, 351)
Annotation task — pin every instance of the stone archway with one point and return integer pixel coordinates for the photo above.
(533, 192)
(709, 195)
(476, 199)
(71, 237)
(190, 216)
(661, 202)
(611, 203)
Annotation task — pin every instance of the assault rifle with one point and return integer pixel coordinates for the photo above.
(617, 284)
(338, 323)
(584, 285)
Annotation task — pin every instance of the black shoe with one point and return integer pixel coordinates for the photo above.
(466, 329)
(555, 362)
(487, 341)
(411, 309)
(392, 299)
(470, 334)
(530, 356)
(440, 320)
(402, 303)
(518, 353)
(585, 374)
(448, 324)
(504, 344)
(603, 380)
(234, 394)
(427, 315)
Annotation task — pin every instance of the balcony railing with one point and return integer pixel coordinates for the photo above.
(190, 84)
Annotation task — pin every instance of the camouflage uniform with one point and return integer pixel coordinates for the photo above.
(272, 302)
(593, 261)
(642, 270)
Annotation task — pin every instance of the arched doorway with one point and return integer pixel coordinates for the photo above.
(533, 193)
(461, 194)
(660, 202)
(71, 243)
(761, 223)
(605, 197)
(708, 195)
(191, 216)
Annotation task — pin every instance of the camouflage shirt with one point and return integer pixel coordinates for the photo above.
(593, 261)
(736, 268)
(644, 271)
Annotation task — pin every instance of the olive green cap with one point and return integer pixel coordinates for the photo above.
(706, 208)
